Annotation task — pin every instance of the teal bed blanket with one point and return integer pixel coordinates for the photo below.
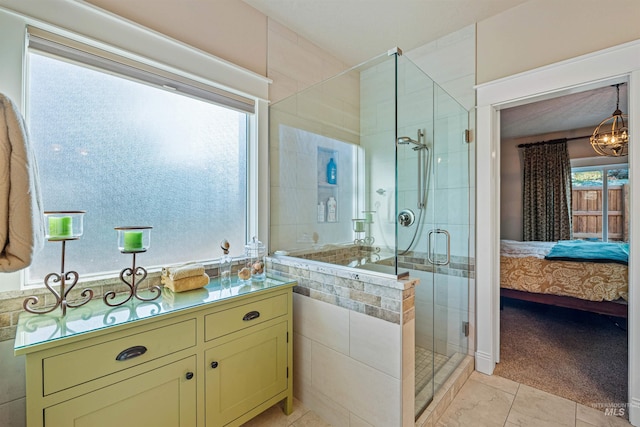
(581, 250)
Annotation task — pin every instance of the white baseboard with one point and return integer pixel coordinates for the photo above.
(484, 363)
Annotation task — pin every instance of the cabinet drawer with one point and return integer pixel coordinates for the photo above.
(244, 316)
(85, 364)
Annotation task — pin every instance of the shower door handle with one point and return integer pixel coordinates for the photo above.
(430, 252)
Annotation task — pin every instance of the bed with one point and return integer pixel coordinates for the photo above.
(574, 274)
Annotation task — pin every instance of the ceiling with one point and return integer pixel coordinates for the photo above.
(576, 111)
(357, 30)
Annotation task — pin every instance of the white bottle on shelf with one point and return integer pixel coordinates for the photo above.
(321, 212)
(332, 210)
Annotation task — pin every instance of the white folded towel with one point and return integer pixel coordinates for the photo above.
(22, 227)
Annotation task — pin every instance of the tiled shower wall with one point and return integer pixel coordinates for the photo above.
(353, 343)
(450, 62)
(296, 174)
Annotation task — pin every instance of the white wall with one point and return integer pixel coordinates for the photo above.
(294, 63)
(205, 25)
(542, 32)
(604, 66)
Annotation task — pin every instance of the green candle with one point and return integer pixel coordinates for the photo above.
(359, 227)
(132, 240)
(60, 226)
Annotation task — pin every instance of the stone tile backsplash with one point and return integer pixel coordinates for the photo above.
(385, 298)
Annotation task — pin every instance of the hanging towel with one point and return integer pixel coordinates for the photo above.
(22, 228)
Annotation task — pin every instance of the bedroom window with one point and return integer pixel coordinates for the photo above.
(131, 151)
(596, 217)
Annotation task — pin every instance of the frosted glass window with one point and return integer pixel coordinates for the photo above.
(133, 154)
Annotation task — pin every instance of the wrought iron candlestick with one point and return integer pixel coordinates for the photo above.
(360, 226)
(62, 226)
(132, 240)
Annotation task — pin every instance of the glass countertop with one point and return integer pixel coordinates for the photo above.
(35, 329)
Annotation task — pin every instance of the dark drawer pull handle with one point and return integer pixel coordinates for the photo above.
(251, 315)
(131, 352)
(214, 365)
(189, 375)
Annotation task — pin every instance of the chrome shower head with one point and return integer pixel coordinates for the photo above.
(407, 140)
(403, 140)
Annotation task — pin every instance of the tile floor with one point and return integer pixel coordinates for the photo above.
(300, 417)
(495, 401)
(483, 401)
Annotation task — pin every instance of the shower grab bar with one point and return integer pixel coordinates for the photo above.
(429, 251)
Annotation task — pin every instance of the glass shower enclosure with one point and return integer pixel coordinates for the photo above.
(370, 170)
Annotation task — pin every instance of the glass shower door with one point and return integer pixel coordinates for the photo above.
(449, 235)
(433, 222)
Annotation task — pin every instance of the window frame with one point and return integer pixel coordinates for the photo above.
(604, 169)
(256, 127)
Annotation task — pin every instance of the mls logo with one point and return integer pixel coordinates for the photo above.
(615, 412)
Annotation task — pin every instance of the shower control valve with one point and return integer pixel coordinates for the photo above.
(406, 217)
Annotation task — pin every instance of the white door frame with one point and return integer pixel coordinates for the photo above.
(616, 64)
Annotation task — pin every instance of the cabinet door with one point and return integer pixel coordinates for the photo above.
(163, 397)
(243, 373)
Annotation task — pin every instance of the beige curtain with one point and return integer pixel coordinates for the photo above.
(546, 191)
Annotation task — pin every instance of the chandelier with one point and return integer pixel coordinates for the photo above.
(611, 137)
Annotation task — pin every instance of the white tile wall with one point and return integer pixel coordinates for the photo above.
(328, 409)
(448, 60)
(323, 323)
(376, 343)
(408, 372)
(295, 192)
(352, 365)
(301, 359)
(355, 421)
(365, 391)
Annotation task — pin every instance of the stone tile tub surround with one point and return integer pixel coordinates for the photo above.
(461, 266)
(376, 295)
(354, 357)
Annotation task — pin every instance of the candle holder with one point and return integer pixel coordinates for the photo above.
(359, 225)
(133, 240)
(368, 216)
(62, 227)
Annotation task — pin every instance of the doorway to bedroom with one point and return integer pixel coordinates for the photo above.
(563, 323)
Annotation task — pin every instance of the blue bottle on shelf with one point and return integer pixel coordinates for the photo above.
(332, 172)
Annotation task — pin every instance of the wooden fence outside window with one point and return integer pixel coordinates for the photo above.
(587, 212)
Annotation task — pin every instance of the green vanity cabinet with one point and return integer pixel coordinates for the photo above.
(161, 397)
(245, 372)
(207, 358)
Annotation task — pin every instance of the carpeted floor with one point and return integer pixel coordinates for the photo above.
(577, 355)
